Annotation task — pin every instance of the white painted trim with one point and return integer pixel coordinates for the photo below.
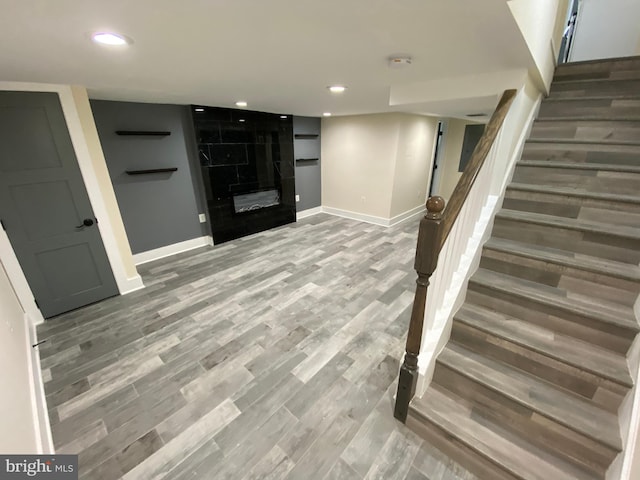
(455, 295)
(468, 263)
(131, 285)
(631, 444)
(308, 213)
(414, 212)
(361, 217)
(18, 280)
(41, 421)
(74, 126)
(380, 221)
(92, 185)
(167, 251)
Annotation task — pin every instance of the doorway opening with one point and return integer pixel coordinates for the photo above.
(435, 174)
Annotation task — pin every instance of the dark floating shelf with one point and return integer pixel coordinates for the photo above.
(146, 133)
(307, 159)
(153, 170)
(306, 136)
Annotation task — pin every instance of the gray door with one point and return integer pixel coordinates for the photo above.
(472, 135)
(44, 206)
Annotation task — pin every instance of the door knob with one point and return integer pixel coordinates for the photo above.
(87, 222)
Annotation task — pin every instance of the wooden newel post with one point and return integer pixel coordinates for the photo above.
(427, 252)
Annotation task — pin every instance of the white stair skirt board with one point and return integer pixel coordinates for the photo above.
(167, 251)
(629, 418)
(454, 296)
(38, 399)
(381, 221)
(308, 213)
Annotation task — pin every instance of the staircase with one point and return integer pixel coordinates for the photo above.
(531, 380)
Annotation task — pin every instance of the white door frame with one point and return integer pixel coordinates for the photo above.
(7, 255)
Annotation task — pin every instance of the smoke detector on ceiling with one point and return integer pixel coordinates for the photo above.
(399, 62)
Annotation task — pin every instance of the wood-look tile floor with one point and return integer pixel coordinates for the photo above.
(272, 356)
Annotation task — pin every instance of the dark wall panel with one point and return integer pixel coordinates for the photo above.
(246, 156)
(157, 209)
(307, 153)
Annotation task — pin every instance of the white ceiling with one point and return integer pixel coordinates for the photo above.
(278, 55)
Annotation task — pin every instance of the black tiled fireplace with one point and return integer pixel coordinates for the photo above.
(248, 169)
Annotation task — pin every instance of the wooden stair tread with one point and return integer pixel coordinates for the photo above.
(586, 118)
(586, 122)
(566, 409)
(566, 258)
(570, 223)
(628, 96)
(605, 312)
(599, 62)
(583, 141)
(534, 371)
(582, 81)
(574, 192)
(606, 167)
(566, 349)
(443, 411)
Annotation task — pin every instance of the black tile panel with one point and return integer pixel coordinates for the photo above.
(242, 152)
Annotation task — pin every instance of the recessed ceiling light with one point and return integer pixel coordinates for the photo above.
(283, 116)
(326, 114)
(199, 109)
(110, 38)
(337, 88)
(241, 120)
(241, 103)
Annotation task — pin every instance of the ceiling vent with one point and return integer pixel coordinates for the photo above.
(476, 115)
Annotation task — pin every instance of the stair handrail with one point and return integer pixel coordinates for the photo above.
(434, 229)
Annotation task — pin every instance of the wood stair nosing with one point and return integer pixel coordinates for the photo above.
(567, 118)
(605, 167)
(440, 410)
(596, 81)
(565, 258)
(468, 457)
(619, 74)
(629, 233)
(562, 348)
(583, 121)
(583, 141)
(574, 192)
(596, 69)
(552, 440)
(591, 97)
(606, 315)
(561, 407)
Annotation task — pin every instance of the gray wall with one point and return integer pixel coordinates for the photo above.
(158, 209)
(307, 172)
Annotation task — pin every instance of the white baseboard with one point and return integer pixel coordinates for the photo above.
(414, 212)
(381, 221)
(41, 422)
(361, 217)
(132, 284)
(167, 251)
(308, 213)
